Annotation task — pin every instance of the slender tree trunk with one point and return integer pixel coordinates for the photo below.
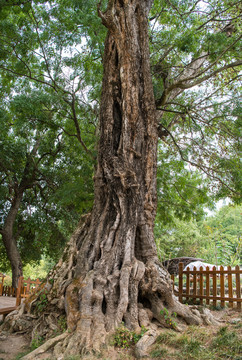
(109, 272)
(13, 256)
(9, 240)
(8, 236)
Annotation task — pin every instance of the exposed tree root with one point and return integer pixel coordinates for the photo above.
(134, 295)
(45, 347)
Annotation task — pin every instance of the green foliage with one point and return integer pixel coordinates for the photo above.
(165, 337)
(169, 318)
(223, 236)
(125, 338)
(39, 158)
(62, 323)
(179, 238)
(217, 239)
(42, 302)
(182, 192)
(38, 270)
(198, 121)
(189, 345)
(36, 342)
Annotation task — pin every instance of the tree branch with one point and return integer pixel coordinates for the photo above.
(204, 169)
(181, 85)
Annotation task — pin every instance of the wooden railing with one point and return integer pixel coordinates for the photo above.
(212, 286)
(28, 286)
(2, 276)
(25, 288)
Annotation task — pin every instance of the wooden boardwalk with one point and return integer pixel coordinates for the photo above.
(6, 301)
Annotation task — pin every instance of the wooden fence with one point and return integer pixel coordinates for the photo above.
(24, 289)
(2, 276)
(211, 286)
(27, 286)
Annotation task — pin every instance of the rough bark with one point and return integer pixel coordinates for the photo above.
(110, 272)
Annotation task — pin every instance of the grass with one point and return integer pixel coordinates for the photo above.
(200, 344)
(228, 342)
(20, 355)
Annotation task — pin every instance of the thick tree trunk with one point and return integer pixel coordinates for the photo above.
(9, 240)
(110, 272)
(120, 244)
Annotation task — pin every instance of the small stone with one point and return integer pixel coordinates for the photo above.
(142, 346)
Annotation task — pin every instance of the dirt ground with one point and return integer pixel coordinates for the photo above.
(12, 345)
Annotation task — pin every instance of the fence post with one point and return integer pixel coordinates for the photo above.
(188, 284)
(230, 286)
(214, 286)
(28, 285)
(238, 289)
(37, 282)
(222, 288)
(194, 284)
(207, 285)
(180, 281)
(201, 285)
(1, 284)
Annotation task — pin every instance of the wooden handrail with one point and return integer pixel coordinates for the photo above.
(21, 292)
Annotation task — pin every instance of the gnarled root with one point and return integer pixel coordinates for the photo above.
(157, 294)
(95, 307)
(95, 303)
(138, 295)
(45, 347)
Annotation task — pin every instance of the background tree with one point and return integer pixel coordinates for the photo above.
(33, 167)
(222, 234)
(216, 239)
(180, 238)
(196, 81)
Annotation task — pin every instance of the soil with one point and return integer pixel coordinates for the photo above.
(12, 345)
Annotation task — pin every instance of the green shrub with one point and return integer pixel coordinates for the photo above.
(125, 338)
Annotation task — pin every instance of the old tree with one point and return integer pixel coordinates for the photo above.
(109, 272)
